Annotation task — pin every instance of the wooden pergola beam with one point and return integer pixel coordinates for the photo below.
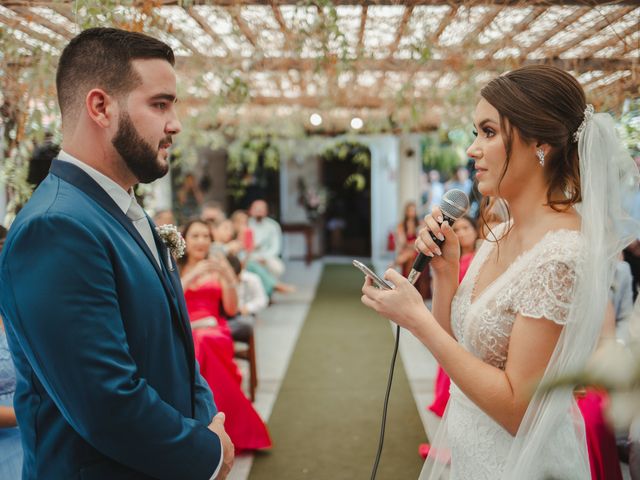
(406, 16)
(288, 36)
(609, 42)
(580, 65)
(61, 8)
(554, 31)
(524, 25)
(234, 12)
(482, 24)
(204, 25)
(363, 25)
(30, 15)
(468, 3)
(393, 47)
(16, 24)
(597, 28)
(444, 23)
(342, 100)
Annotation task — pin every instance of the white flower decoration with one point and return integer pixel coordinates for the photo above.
(172, 238)
(588, 115)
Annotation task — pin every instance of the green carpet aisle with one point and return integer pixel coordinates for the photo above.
(326, 419)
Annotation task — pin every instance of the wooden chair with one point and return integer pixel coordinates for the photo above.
(247, 351)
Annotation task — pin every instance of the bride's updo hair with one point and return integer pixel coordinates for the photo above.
(544, 104)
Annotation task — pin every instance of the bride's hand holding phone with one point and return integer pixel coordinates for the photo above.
(403, 304)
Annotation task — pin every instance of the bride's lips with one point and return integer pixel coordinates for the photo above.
(480, 171)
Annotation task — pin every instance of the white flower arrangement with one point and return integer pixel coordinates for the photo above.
(172, 238)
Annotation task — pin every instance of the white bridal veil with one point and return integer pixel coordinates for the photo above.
(550, 442)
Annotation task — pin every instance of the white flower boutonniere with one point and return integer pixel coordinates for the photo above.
(173, 240)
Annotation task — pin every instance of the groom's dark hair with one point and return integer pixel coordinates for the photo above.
(101, 58)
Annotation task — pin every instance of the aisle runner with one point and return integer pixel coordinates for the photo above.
(326, 420)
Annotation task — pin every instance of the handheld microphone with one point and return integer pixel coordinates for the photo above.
(453, 205)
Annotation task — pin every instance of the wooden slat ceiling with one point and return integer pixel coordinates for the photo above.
(378, 59)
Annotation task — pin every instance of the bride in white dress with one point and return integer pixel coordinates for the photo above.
(532, 303)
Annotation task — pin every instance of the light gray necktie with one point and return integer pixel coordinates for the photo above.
(139, 220)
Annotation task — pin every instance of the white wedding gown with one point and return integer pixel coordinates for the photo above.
(538, 284)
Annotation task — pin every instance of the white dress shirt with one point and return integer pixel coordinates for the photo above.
(123, 200)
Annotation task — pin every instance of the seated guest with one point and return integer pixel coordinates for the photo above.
(209, 288)
(252, 297)
(40, 162)
(223, 235)
(164, 217)
(601, 442)
(212, 211)
(243, 233)
(621, 296)
(466, 230)
(188, 198)
(267, 238)
(406, 234)
(10, 445)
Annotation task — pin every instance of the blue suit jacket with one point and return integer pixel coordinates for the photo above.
(108, 386)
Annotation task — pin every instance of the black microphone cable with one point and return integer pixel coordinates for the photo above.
(386, 404)
(454, 203)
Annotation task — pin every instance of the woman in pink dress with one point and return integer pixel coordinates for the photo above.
(465, 229)
(209, 288)
(592, 402)
(406, 234)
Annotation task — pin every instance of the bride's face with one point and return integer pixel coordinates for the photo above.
(490, 155)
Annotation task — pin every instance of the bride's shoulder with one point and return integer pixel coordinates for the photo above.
(562, 244)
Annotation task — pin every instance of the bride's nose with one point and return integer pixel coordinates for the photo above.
(474, 151)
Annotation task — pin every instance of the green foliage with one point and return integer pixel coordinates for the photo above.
(356, 153)
(14, 173)
(629, 126)
(249, 159)
(441, 153)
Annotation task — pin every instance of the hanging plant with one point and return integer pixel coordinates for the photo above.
(355, 152)
(440, 154)
(13, 174)
(249, 161)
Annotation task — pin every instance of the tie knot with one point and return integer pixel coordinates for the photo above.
(135, 211)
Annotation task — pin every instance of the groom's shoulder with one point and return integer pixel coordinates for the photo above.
(56, 199)
(56, 208)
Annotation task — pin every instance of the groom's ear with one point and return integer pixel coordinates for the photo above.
(101, 108)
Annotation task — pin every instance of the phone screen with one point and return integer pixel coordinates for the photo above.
(379, 282)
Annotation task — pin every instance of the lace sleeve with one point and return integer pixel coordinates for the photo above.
(547, 291)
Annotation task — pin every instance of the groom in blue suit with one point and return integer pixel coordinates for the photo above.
(108, 385)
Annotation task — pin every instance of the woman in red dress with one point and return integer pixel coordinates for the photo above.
(592, 401)
(406, 234)
(209, 289)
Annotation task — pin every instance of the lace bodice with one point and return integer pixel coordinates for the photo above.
(538, 284)
(7, 372)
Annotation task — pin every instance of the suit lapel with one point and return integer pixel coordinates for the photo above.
(172, 276)
(77, 177)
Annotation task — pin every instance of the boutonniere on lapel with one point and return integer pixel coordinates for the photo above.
(174, 242)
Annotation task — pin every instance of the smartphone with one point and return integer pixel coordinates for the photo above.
(379, 282)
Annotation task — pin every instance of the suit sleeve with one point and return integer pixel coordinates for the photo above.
(64, 299)
(205, 406)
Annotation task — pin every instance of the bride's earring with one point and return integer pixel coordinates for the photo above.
(540, 155)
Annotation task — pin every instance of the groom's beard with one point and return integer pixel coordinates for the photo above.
(139, 156)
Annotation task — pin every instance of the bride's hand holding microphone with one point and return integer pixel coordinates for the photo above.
(445, 255)
(404, 305)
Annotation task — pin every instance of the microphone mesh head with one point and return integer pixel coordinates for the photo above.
(454, 203)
